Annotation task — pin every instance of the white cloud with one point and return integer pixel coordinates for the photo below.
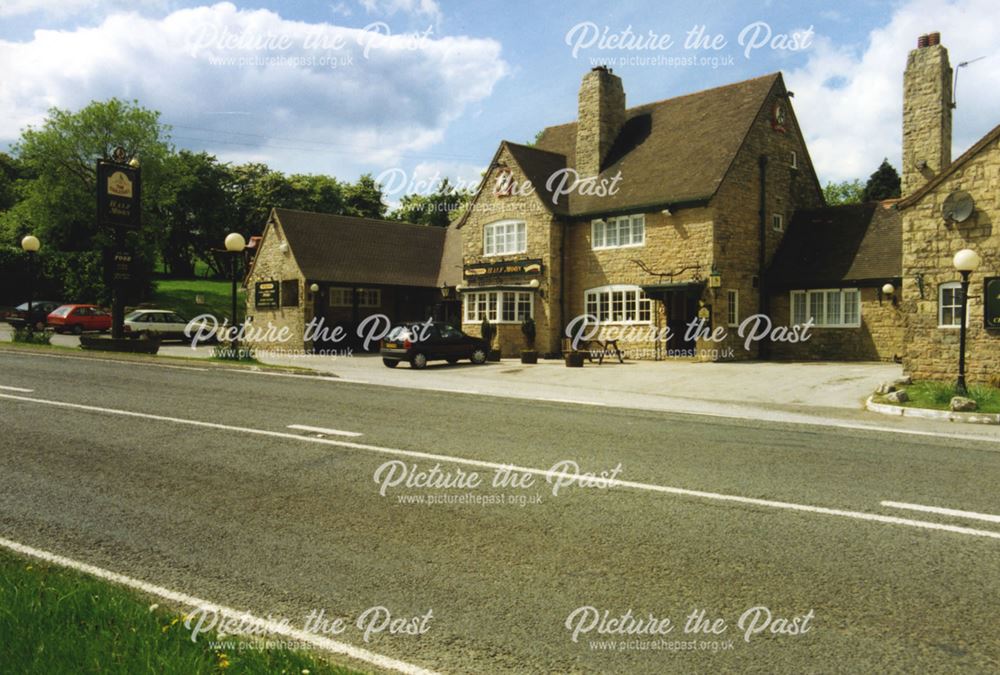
(428, 8)
(235, 72)
(66, 8)
(848, 99)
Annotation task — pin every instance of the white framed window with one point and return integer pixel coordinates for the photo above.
(778, 222)
(498, 306)
(618, 304)
(618, 232)
(830, 308)
(369, 297)
(344, 297)
(505, 237)
(733, 307)
(793, 160)
(341, 297)
(950, 305)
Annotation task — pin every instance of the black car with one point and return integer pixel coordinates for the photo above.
(418, 343)
(40, 310)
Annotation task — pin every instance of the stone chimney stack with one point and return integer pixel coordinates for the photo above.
(927, 109)
(602, 114)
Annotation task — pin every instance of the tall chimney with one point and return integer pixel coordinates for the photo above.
(926, 113)
(602, 114)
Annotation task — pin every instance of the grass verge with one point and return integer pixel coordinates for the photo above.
(54, 620)
(181, 295)
(938, 395)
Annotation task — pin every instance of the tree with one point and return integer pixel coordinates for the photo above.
(57, 198)
(844, 192)
(198, 211)
(11, 173)
(364, 198)
(883, 184)
(434, 209)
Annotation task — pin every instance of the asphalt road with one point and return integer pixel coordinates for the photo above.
(269, 519)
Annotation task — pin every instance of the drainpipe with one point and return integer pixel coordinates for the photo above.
(763, 347)
(562, 285)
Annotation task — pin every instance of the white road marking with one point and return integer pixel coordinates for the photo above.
(20, 389)
(988, 517)
(750, 414)
(321, 430)
(647, 487)
(247, 618)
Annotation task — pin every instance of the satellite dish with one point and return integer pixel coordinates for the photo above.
(958, 206)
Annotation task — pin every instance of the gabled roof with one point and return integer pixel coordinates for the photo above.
(836, 245)
(673, 151)
(538, 166)
(345, 249)
(980, 145)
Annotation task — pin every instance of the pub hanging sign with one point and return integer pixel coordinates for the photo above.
(118, 195)
(503, 267)
(991, 296)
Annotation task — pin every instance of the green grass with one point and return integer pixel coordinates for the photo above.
(54, 620)
(937, 396)
(181, 295)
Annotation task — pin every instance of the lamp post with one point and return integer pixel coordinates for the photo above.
(235, 243)
(966, 262)
(30, 245)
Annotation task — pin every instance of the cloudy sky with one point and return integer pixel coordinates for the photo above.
(422, 88)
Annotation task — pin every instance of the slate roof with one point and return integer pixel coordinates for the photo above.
(345, 249)
(673, 151)
(858, 244)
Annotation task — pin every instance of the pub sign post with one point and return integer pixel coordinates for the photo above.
(119, 203)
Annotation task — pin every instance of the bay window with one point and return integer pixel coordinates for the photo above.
(498, 306)
(618, 304)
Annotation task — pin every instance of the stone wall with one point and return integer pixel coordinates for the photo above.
(879, 338)
(544, 241)
(273, 264)
(737, 207)
(679, 243)
(929, 243)
(927, 85)
(601, 116)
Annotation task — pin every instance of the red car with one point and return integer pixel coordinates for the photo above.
(78, 318)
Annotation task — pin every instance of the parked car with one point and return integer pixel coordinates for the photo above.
(79, 318)
(40, 310)
(418, 343)
(163, 323)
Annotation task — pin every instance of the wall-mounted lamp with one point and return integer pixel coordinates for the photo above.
(534, 283)
(314, 288)
(444, 289)
(919, 277)
(666, 212)
(888, 291)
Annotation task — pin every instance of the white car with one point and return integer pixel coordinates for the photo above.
(162, 323)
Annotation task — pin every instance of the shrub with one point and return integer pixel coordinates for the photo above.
(35, 337)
